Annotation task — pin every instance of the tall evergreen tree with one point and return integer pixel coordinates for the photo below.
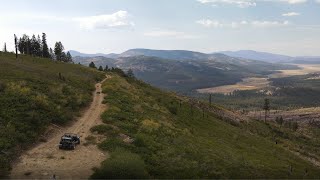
(63, 57)
(45, 49)
(5, 47)
(69, 57)
(92, 65)
(58, 49)
(16, 45)
(33, 45)
(100, 68)
(266, 108)
(21, 46)
(106, 68)
(39, 47)
(52, 56)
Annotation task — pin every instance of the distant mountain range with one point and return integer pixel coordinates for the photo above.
(261, 56)
(274, 58)
(184, 71)
(192, 55)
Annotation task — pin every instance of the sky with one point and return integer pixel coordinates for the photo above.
(290, 27)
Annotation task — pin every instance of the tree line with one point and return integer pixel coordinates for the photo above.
(37, 46)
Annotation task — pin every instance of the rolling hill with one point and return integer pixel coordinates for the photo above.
(189, 72)
(34, 93)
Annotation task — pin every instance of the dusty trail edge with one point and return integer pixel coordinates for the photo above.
(46, 160)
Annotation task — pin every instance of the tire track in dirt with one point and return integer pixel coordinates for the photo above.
(46, 159)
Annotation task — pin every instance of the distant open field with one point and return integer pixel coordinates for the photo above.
(260, 83)
(305, 69)
(245, 84)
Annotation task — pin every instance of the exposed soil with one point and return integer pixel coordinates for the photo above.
(46, 160)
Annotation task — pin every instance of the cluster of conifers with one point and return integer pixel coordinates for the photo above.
(37, 46)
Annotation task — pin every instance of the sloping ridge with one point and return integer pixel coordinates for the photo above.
(46, 160)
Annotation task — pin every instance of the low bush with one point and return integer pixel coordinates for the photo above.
(122, 164)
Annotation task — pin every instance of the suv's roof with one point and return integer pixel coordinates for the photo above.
(66, 138)
(72, 134)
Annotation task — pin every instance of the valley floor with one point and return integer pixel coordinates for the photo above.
(45, 160)
(254, 83)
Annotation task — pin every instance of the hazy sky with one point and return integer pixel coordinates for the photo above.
(289, 27)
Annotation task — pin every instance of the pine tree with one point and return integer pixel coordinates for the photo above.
(58, 49)
(69, 57)
(266, 108)
(52, 56)
(106, 68)
(63, 57)
(16, 45)
(21, 45)
(5, 47)
(92, 65)
(33, 45)
(45, 49)
(100, 68)
(39, 47)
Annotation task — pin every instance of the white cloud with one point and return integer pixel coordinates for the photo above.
(259, 24)
(291, 14)
(248, 3)
(294, 1)
(265, 24)
(239, 3)
(116, 20)
(317, 1)
(170, 33)
(210, 23)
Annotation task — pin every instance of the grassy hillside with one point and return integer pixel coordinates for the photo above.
(33, 95)
(155, 134)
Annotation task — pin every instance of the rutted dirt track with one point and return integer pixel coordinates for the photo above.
(46, 160)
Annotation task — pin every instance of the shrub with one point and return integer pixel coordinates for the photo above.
(173, 109)
(114, 143)
(122, 165)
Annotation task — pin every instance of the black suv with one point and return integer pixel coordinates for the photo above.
(69, 141)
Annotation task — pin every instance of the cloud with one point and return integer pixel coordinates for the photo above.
(248, 3)
(118, 19)
(265, 24)
(294, 1)
(210, 23)
(258, 24)
(239, 3)
(170, 33)
(317, 1)
(291, 14)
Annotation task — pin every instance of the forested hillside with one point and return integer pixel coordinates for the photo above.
(155, 134)
(34, 93)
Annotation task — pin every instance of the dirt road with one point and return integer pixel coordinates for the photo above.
(46, 160)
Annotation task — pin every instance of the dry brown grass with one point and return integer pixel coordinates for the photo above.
(305, 69)
(245, 84)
